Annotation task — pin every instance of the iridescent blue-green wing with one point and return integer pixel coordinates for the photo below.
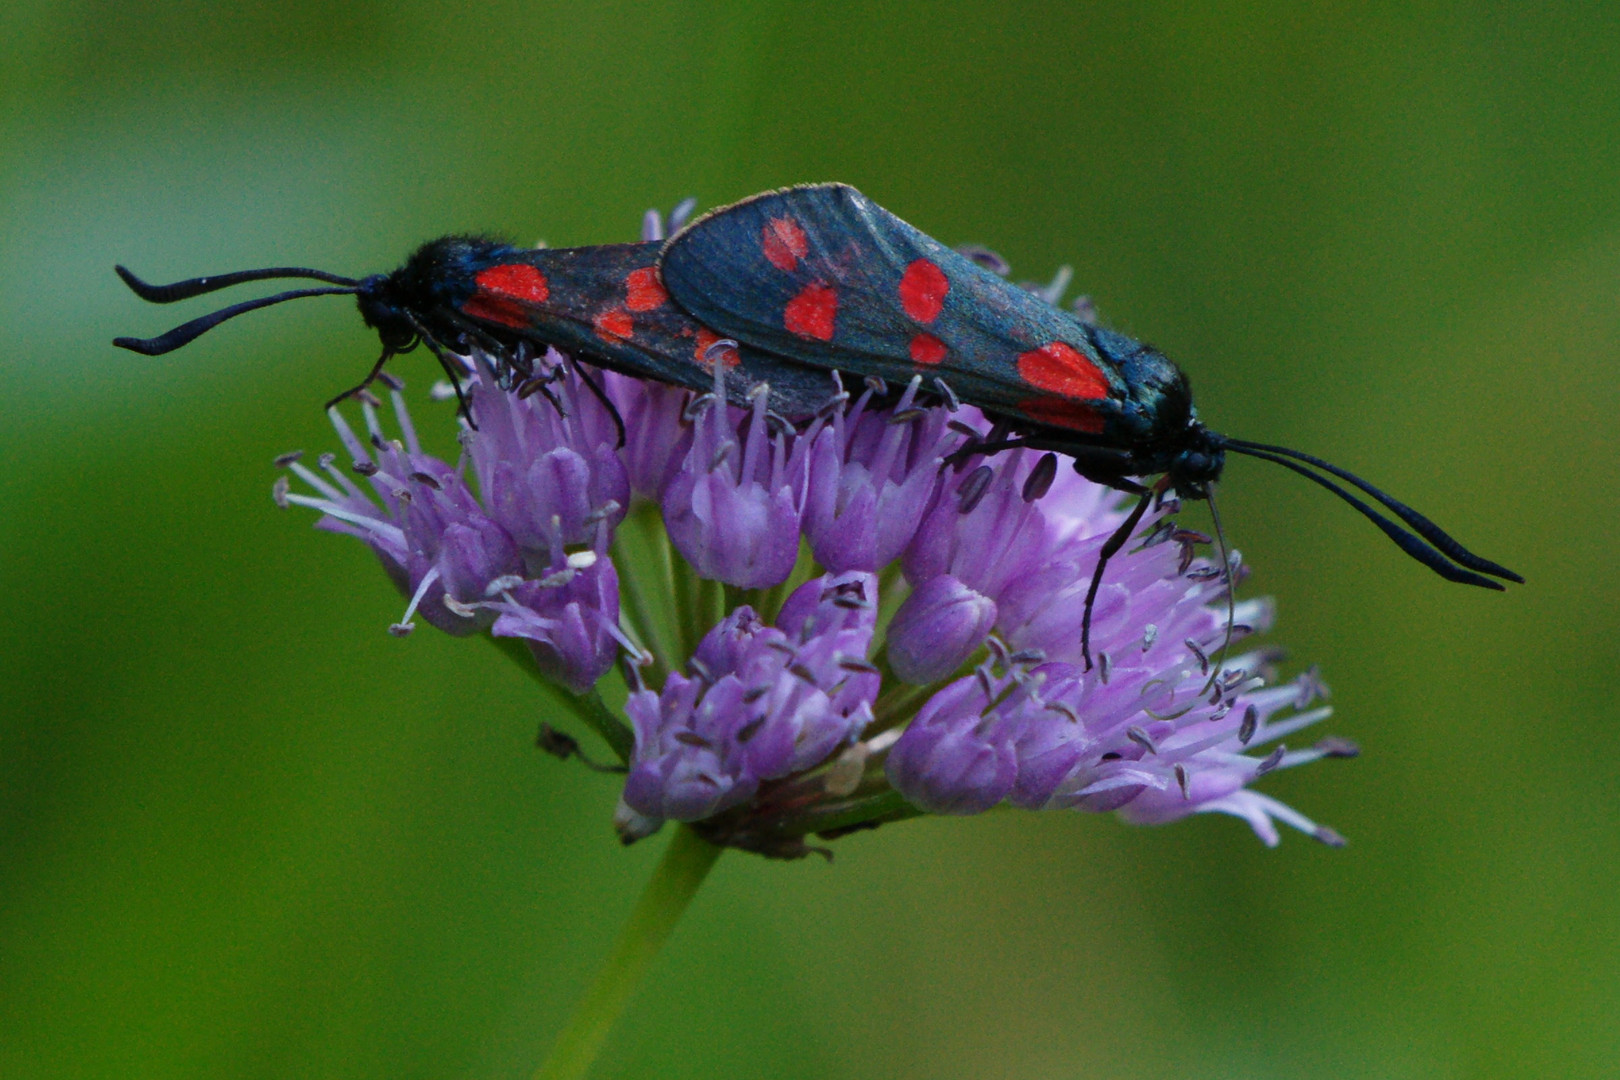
(822, 275)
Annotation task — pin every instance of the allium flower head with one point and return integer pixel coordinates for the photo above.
(826, 627)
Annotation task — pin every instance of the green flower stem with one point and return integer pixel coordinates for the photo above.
(685, 864)
(646, 579)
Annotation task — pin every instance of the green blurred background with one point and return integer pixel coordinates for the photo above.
(245, 833)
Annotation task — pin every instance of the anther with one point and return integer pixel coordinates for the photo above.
(799, 671)
(427, 479)
(696, 407)
(1270, 761)
(962, 427)
(716, 353)
(1335, 747)
(325, 460)
(983, 675)
(287, 459)
(390, 380)
(973, 489)
(1141, 738)
(1181, 780)
(1161, 532)
(504, 583)
(401, 629)
(907, 416)
(1203, 659)
(1329, 837)
(754, 694)
(857, 666)
(1246, 729)
(557, 578)
(279, 490)
(749, 730)
(952, 402)
(986, 258)
(832, 405)
(1104, 667)
(877, 386)
(721, 454)
(692, 738)
(366, 467)
(1040, 478)
(1028, 657)
(457, 608)
(701, 670)
(1150, 634)
(1064, 711)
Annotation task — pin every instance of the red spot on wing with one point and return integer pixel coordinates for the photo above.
(810, 314)
(1061, 369)
(1063, 413)
(922, 290)
(520, 281)
(927, 349)
(643, 290)
(504, 290)
(614, 325)
(784, 243)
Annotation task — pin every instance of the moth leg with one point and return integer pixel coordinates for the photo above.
(1109, 550)
(607, 403)
(1106, 466)
(371, 377)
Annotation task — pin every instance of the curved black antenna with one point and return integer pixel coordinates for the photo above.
(186, 332)
(185, 290)
(1420, 524)
(1404, 540)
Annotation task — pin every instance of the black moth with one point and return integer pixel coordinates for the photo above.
(805, 281)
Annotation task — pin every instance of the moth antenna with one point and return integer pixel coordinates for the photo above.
(1421, 525)
(187, 332)
(185, 290)
(1404, 540)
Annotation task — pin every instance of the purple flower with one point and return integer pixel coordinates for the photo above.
(761, 702)
(498, 561)
(930, 660)
(732, 508)
(873, 474)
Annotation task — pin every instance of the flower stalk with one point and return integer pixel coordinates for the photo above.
(685, 863)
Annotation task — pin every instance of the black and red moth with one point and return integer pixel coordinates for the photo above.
(805, 282)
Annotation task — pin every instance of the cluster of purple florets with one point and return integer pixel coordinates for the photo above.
(879, 617)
